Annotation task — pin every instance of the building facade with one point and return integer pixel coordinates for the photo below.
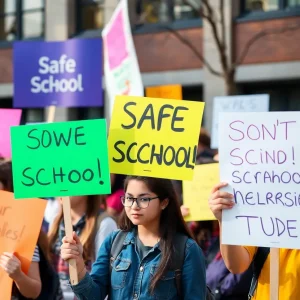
(172, 42)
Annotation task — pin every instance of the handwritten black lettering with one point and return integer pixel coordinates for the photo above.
(177, 119)
(129, 114)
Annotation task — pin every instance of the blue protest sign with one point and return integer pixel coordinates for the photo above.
(67, 73)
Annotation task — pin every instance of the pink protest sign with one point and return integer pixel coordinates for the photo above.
(8, 118)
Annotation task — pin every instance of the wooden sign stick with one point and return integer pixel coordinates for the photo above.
(274, 274)
(69, 233)
(67, 214)
(51, 114)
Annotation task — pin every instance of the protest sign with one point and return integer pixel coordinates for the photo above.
(259, 158)
(245, 103)
(60, 159)
(154, 137)
(197, 192)
(20, 224)
(165, 91)
(64, 73)
(121, 68)
(8, 118)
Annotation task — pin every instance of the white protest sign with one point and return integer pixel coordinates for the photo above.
(121, 68)
(246, 103)
(260, 159)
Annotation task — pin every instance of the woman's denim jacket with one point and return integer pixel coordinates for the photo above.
(130, 277)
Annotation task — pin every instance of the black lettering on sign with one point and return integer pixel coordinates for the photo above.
(119, 160)
(28, 177)
(37, 178)
(145, 117)
(48, 138)
(128, 154)
(177, 119)
(129, 114)
(162, 115)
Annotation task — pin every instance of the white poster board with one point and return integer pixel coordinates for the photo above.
(246, 103)
(260, 159)
(121, 68)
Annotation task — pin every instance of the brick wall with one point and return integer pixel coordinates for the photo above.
(278, 47)
(6, 66)
(165, 52)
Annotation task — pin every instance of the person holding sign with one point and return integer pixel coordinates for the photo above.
(239, 258)
(92, 226)
(28, 285)
(137, 261)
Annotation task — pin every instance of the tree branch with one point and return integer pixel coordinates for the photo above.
(223, 35)
(211, 19)
(194, 50)
(257, 37)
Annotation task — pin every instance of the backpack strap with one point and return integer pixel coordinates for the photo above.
(257, 265)
(179, 243)
(117, 246)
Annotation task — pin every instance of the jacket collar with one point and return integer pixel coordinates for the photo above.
(131, 237)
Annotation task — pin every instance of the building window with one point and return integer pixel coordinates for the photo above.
(21, 19)
(90, 14)
(269, 5)
(163, 11)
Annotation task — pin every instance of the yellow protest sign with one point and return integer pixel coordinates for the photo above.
(196, 193)
(165, 91)
(154, 137)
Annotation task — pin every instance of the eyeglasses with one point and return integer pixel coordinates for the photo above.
(142, 202)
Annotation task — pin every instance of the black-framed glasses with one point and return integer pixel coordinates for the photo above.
(142, 202)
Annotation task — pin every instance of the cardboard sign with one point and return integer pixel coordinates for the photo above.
(165, 91)
(66, 73)
(245, 103)
(196, 193)
(60, 159)
(8, 118)
(154, 137)
(122, 72)
(20, 224)
(259, 158)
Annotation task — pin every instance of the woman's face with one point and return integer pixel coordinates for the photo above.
(76, 200)
(143, 216)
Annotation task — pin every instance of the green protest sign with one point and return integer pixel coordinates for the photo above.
(60, 159)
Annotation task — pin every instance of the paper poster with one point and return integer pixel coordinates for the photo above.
(20, 224)
(65, 73)
(245, 103)
(165, 91)
(154, 137)
(8, 118)
(60, 159)
(196, 193)
(260, 159)
(122, 73)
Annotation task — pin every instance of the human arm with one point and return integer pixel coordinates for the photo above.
(193, 273)
(96, 285)
(29, 285)
(236, 258)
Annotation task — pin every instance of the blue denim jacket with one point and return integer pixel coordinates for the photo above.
(130, 276)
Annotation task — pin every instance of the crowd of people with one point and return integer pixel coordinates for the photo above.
(141, 260)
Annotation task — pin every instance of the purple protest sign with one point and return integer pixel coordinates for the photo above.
(67, 73)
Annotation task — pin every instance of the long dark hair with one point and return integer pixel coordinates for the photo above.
(171, 221)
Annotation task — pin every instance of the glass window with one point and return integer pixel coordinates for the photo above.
(90, 14)
(25, 20)
(262, 5)
(162, 11)
(185, 10)
(33, 24)
(292, 3)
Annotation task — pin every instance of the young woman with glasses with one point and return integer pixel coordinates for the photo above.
(151, 221)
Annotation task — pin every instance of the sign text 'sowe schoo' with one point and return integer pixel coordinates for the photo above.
(154, 137)
(67, 73)
(60, 159)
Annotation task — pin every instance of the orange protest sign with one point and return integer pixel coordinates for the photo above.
(165, 92)
(20, 224)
